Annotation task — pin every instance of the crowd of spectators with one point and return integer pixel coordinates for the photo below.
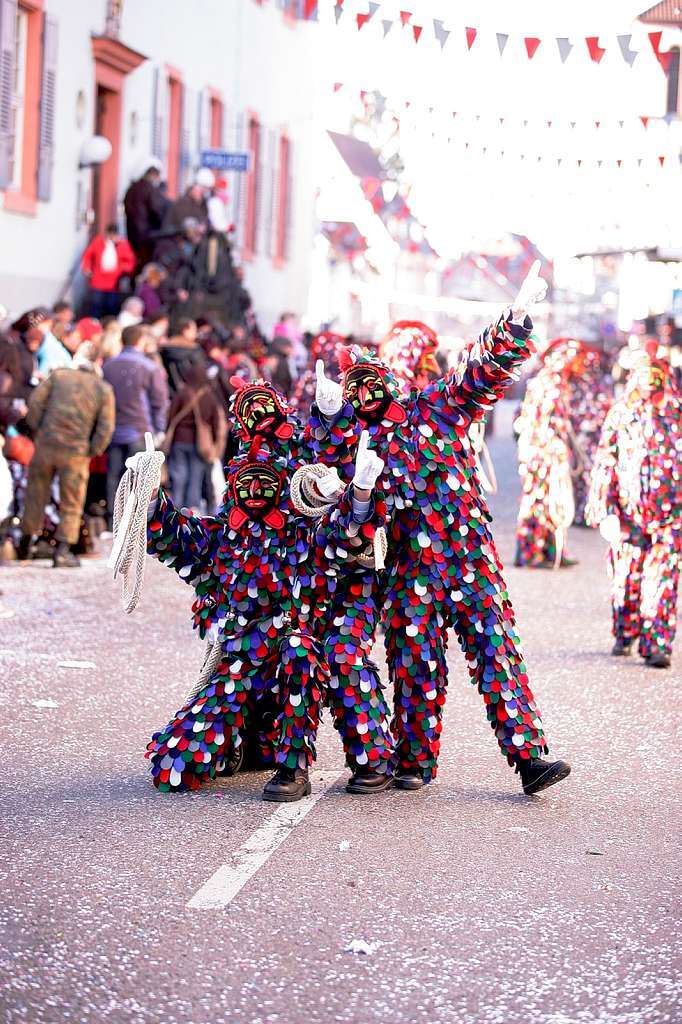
(166, 322)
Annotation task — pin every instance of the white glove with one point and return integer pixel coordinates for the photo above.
(610, 529)
(328, 394)
(368, 465)
(533, 290)
(330, 485)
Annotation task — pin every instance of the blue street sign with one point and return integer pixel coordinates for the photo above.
(223, 160)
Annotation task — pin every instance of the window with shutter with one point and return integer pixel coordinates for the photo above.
(48, 100)
(283, 201)
(187, 142)
(239, 183)
(216, 120)
(174, 91)
(253, 187)
(8, 24)
(159, 97)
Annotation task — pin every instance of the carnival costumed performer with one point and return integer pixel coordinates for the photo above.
(277, 572)
(354, 688)
(547, 504)
(409, 349)
(636, 500)
(443, 568)
(590, 398)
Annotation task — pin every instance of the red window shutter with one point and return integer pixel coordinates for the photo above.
(48, 101)
(8, 21)
(283, 200)
(253, 186)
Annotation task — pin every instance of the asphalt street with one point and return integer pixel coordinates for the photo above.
(467, 902)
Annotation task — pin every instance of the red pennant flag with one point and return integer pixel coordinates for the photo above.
(471, 36)
(309, 7)
(619, 163)
(664, 60)
(655, 40)
(405, 17)
(645, 121)
(501, 120)
(596, 51)
(532, 43)
(362, 20)
(363, 95)
(579, 162)
(661, 160)
(337, 86)
(416, 31)
(549, 124)
(596, 124)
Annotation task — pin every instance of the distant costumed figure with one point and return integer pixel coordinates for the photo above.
(590, 398)
(326, 347)
(636, 501)
(442, 568)
(545, 454)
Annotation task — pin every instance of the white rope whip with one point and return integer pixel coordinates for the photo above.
(129, 550)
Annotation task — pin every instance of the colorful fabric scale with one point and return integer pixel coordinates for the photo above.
(264, 577)
(637, 478)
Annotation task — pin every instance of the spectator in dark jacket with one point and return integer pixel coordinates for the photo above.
(199, 429)
(106, 260)
(175, 254)
(72, 416)
(194, 203)
(141, 393)
(277, 367)
(144, 208)
(182, 353)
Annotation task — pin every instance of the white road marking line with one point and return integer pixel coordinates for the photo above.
(229, 879)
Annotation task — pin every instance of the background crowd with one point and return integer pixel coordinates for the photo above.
(166, 322)
(164, 326)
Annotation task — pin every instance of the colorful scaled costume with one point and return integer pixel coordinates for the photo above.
(590, 398)
(264, 576)
(354, 683)
(636, 499)
(442, 566)
(545, 458)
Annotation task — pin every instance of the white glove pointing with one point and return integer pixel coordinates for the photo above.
(368, 465)
(331, 484)
(328, 394)
(533, 290)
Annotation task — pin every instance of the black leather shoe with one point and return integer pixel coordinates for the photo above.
(287, 785)
(537, 774)
(234, 760)
(405, 779)
(658, 660)
(621, 648)
(369, 781)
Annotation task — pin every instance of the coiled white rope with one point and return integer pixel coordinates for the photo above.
(129, 550)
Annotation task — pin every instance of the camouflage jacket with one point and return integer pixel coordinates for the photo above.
(73, 409)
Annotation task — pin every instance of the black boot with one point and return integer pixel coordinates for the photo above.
(369, 781)
(287, 785)
(234, 760)
(537, 774)
(64, 557)
(622, 648)
(25, 548)
(409, 778)
(658, 660)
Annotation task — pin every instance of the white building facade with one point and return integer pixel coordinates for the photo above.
(163, 78)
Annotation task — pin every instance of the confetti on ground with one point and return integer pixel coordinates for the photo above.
(44, 703)
(344, 845)
(76, 664)
(595, 853)
(360, 946)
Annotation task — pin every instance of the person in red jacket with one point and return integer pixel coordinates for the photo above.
(106, 260)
